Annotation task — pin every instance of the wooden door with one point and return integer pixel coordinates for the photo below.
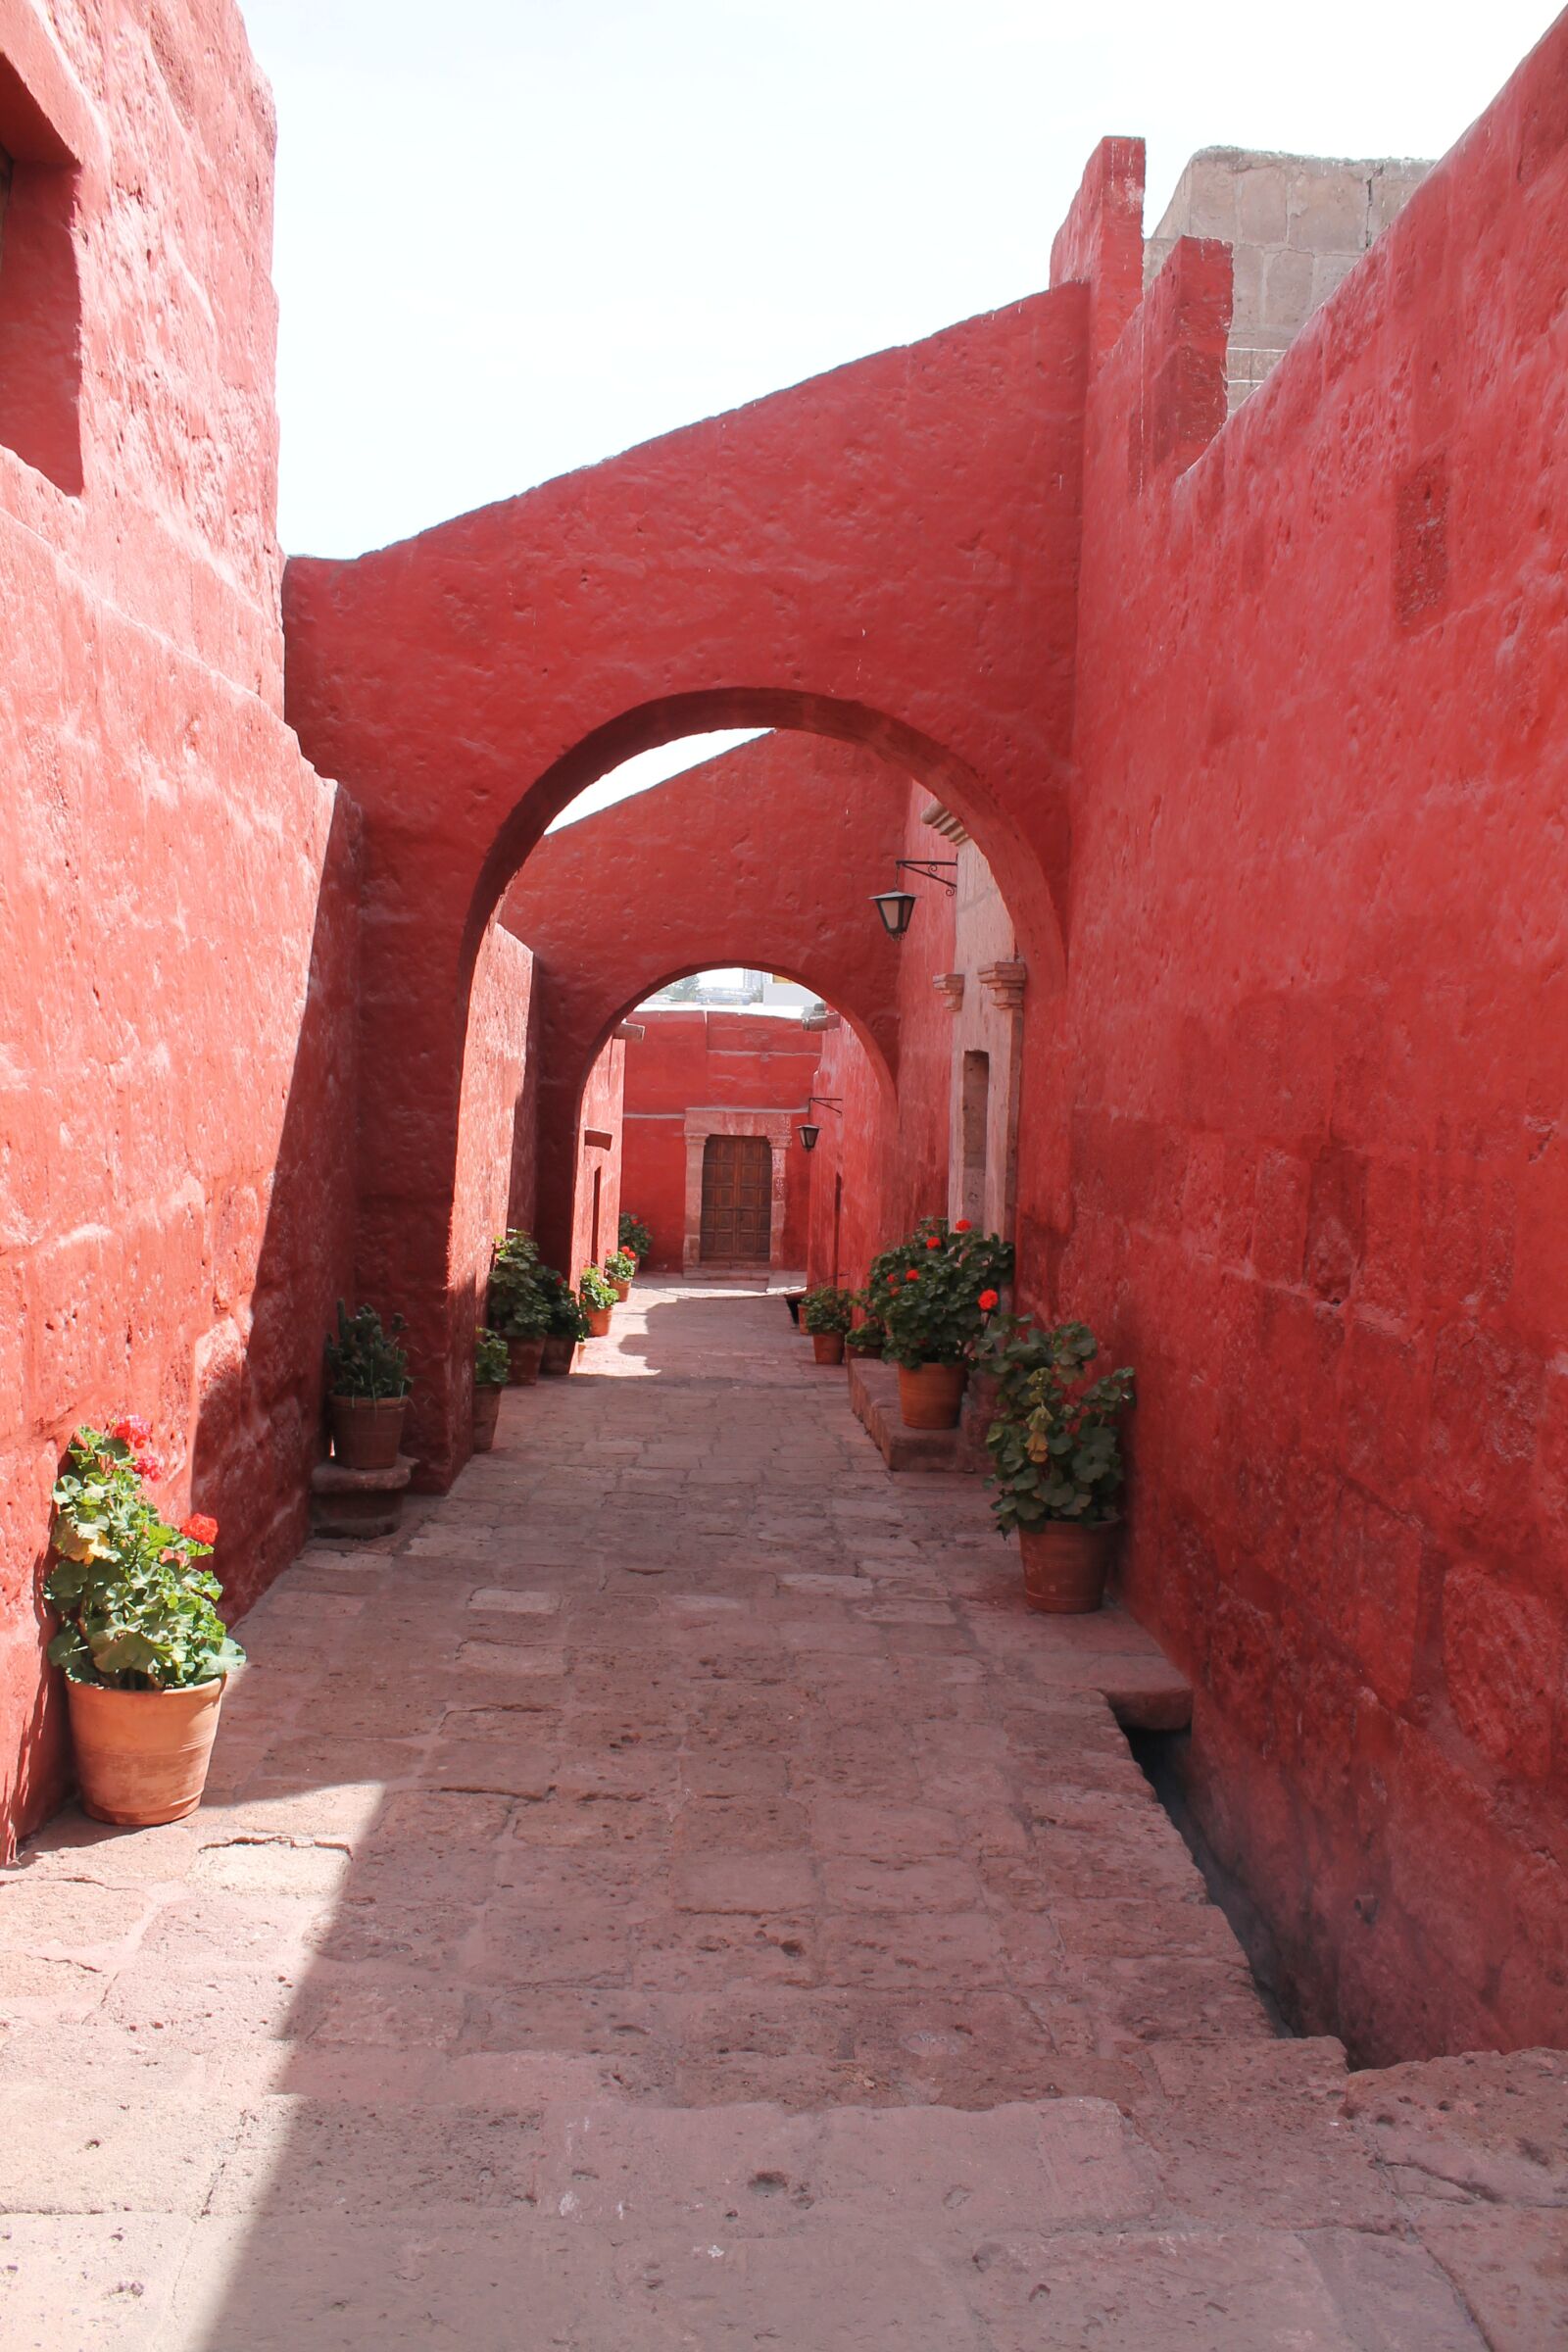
(737, 1200)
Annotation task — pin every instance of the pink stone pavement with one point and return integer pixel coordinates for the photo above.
(672, 1894)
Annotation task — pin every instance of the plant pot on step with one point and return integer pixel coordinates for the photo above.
(559, 1351)
(1064, 1566)
(828, 1347)
(367, 1430)
(142, 1755)
(599, 1321)
(523, 1358)
(487, 1413)
(623, 1291)
(930, 1394)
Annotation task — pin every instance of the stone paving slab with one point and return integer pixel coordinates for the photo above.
(676, 1894)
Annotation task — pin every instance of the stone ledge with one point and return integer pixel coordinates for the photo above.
(874, 1398)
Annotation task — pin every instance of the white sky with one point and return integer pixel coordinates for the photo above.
(515, 236)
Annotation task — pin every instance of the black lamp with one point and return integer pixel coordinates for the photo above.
(895, 907)
(808, 1131)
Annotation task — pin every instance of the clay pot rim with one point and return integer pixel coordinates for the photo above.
(213, 1681)
(341, 1396)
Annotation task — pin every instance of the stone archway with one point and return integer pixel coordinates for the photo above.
(887, 555)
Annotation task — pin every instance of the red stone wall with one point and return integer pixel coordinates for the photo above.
(712, 1059)
(179, 954)
(847, 1221)
(1314, 1075)
(919, 1176)
(496, 1132)
(603, 1101)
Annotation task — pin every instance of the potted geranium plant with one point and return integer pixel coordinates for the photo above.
(144, 1650)
(517, 1304)
(492, 1368)
(869, 1334)
(619, 1267)
(827, 1313)
(597, 1298)
(933, 1292)
(367, 1387)
(568, 1325)
(634, 1237)
(1056, 1462)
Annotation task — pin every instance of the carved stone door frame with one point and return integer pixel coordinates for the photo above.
(778, 1126)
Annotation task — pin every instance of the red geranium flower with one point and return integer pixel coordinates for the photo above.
(963, 1225)
(933, 1241)
(200, 1529)
(912, 1274)
(987, 1299)
(131, 1430)
(148, 1465)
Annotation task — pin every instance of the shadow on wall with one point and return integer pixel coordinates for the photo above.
(260, 1371)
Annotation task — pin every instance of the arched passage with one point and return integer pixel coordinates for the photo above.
(812, 562)
(764, 856)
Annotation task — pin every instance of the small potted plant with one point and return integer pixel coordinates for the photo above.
(933, 1292)
(619, 1267)
(597, 1298)
(492, 1369)
(869, 1336)
(368, 1388)
(568, 1326)
(144, 1651)
(635, 1238)
(827, 1313)
(1056, 1462)
(517, 1304)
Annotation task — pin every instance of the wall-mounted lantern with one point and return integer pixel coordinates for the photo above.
(894, 906)
(808, 1130)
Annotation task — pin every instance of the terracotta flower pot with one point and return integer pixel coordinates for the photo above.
(522, 1362)
(367, 1430)
(930, 1394)
(1064, 1566)
(828, 1347)
(142, 1755)
(560, 1352)
(599, 1321)
(874, 1353)
(487, 1413)
(623, 1290)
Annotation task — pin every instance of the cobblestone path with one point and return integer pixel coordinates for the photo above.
(674, 1895)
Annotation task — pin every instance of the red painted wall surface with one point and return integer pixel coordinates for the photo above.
(764, 857)
(177, 958)
(1315, 1067)
(919, 1178)
(848, 1221)
(496, 1131)
(730, 1061)
(603, 1096)
(917, 597)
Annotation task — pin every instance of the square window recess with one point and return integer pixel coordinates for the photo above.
(41, 297)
